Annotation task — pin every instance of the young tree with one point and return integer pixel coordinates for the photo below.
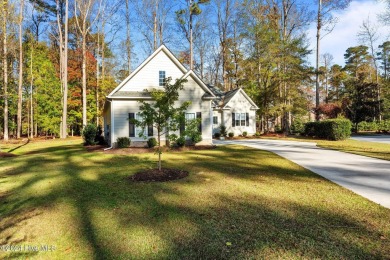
(162, 113)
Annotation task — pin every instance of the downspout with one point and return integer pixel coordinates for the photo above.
(111, 126)
(211, 120)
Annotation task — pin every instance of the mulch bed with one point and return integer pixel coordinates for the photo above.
(138, 150)
(4, 155)
(154, 175)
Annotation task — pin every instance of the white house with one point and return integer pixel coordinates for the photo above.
(207, 103)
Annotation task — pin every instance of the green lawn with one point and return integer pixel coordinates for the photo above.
(237, 203)
(371, 149)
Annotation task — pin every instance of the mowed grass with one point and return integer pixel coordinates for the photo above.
(237, 203)
(370, 149)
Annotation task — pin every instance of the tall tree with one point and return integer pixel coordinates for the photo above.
(185, 18)
(368, 35)
(20, 83)
(85, 15)
(62, 23)
(5, 65)
(325, 20)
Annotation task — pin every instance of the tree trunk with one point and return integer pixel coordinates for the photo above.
(84, 77)
(191, 45)
(5, 69)
(20, 85)
(31, 94)
(128, 42)
(159, 148)
(319, 24)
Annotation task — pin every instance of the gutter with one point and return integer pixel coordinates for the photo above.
(109, 148)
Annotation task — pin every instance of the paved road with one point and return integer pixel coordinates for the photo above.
(365, 176)
(373, 138)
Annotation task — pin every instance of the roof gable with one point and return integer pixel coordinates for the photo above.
(229, 97)
(163, 56)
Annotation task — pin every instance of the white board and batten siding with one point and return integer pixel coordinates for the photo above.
(148, 76)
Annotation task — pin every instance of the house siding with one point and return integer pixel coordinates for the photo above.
(191, 92)
(239, 104)
(148, 76)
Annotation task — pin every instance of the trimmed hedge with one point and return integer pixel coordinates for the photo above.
(123, 142)
(331, 129)
(152, 142)
(383, 126)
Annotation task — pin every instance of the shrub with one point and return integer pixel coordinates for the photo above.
(99, 138)
(384, 126)
(152, 142)
(196, 138)
(123, 142)
(89, 134)
(223, 130)
(368, 126)
(278, 129)
(181, 141)
(257, 134)
(231, 134)
(245, 133)
(331, 129)
(217, 135)
(298, 126)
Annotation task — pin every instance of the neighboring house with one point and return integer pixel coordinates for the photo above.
(234, 109)
(123, 104)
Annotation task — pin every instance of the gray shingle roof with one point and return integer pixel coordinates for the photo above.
(222, 97)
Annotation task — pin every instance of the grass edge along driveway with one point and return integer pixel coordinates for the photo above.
(237, 202)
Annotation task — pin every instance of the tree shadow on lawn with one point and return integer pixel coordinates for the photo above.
(120, 219)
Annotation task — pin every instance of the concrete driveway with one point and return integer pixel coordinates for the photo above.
(373, 138)
(365, 176)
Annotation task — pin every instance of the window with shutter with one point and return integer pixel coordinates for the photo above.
(233, 119)
(247, 119)
(131, 125)
(199, 116)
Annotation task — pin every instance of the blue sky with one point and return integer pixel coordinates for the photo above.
(344, 35)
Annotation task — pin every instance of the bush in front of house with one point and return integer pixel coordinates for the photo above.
(244, 134)
(99, 138)
(217, 135)
(123, 142)
(152, 142)
(196, 138)
(222, 129)
(89, 134)
(331, 129)
(231, 134)
(181, 141)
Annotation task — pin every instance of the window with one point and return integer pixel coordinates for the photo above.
(240, 119)
(138, 129)
(190, 116)
(161, 78)
(215, 120)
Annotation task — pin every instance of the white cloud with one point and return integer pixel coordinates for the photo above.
(344, 35)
